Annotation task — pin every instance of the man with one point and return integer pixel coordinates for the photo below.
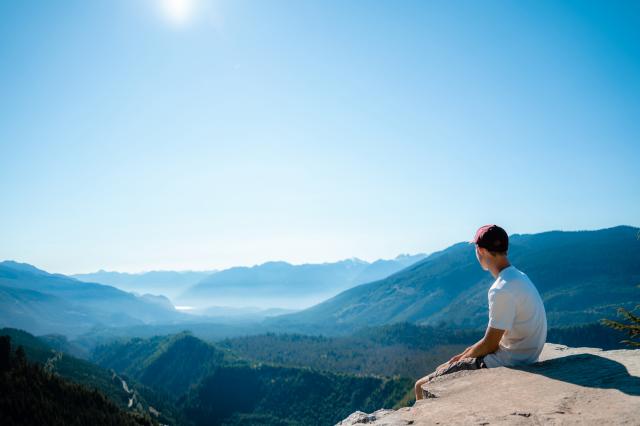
(517, 328)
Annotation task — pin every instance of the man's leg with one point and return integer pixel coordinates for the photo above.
(418, 386)
(463, 364)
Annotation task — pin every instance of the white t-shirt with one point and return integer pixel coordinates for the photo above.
(516, 306)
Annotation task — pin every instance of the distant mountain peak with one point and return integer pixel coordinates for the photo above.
(25, 267)
(349, 260)
(273, 263)
(403, 256)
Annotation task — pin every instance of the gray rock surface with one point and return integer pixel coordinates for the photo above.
(567, 386)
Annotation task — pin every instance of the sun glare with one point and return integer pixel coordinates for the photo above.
(178, 12)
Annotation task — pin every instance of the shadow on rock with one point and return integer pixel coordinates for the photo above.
(588, 370)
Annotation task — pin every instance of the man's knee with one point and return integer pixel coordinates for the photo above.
(421, 382)
(418, 388)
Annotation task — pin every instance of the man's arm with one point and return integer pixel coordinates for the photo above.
(502, 312)
(488, 344)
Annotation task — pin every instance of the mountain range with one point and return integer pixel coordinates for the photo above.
(281, 284)
(269, 285)
(582, 276)
(44, 303)
(167, 283)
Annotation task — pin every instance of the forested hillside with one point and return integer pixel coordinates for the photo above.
(126, 393)
(31, 394)
(401, 349)
(213, 386)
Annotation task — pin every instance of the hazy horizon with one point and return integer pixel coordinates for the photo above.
(234, 266)
(214, 270)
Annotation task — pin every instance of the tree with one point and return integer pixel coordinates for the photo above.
(5, 353)
(21, 356)
(632, 325)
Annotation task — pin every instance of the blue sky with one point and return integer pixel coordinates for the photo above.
(138, 135)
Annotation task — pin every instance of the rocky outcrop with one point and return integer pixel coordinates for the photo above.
(567, 386)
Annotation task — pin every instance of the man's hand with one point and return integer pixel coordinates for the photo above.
(455, 358)
(451, 361)
(488, 344)
(461, 355)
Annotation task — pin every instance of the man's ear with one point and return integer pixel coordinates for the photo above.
(482, 251)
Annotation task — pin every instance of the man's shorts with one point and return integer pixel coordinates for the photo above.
(463, 364)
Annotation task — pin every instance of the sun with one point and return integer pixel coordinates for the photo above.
(178, 12)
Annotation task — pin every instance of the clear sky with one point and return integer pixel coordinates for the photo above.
(141, 134)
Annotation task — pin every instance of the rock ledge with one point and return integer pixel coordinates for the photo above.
(567, 386)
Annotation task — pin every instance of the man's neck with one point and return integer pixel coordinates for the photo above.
(500, 264)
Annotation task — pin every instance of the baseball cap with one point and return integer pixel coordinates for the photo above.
(492, 238)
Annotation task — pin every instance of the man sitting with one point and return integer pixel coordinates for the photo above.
(517, 328)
